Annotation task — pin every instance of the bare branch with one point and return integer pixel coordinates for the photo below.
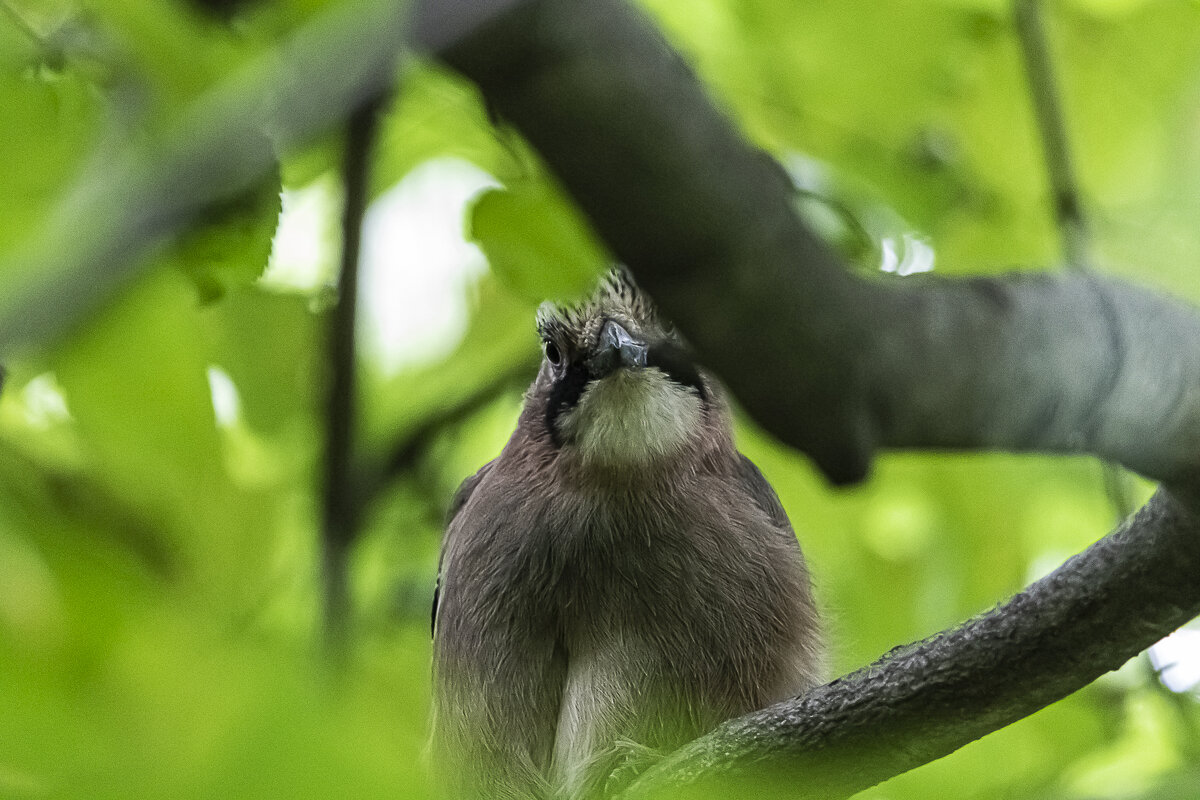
(409, 448)
(921, 702)
(1060, 169)
(834, 364)
(341, 511)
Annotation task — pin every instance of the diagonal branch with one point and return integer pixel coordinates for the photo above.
(921, 702)
(409, 448)
(1060, 363)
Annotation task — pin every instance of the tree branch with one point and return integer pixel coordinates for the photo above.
(1039, 68)
(341, 509)
(1070, 363)
(408, 449)
(404, 454)
(923, 701)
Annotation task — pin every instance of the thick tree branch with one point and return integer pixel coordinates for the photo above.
(1071, 363)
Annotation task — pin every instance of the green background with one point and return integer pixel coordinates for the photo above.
(159, 601)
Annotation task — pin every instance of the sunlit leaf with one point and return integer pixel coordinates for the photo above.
(537, 244)
(229, 247)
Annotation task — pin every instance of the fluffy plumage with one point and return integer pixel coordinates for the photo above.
(620, 579)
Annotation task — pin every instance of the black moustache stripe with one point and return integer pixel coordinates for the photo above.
(565, 394)
(673, 361)
(678, 365)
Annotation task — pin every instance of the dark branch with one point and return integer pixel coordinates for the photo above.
(406, 452)
(341, 510)
(1039, 68)
(1070, 363)
(921, 702)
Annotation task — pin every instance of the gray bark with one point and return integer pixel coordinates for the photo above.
(839, 365)
(923, 701)
(833, 363)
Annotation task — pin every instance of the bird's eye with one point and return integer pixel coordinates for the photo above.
(552, 354)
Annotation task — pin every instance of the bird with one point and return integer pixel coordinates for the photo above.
(620, 579)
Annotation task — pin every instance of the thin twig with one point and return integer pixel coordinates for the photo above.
(1060, 169)
(404, 456)
(341, 511)
(1074, 231)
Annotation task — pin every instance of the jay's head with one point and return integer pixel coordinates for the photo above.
(617, 385)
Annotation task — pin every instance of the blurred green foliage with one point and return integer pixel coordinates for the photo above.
(529, 223)
(158, 592)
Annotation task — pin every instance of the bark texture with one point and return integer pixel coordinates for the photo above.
(840, 365)
(925, 700)
(834, 363)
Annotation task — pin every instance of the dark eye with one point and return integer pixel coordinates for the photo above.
(552, 354)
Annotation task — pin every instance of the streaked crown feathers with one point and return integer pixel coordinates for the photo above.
(617, 297)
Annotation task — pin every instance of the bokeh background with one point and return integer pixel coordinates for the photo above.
(160, 463)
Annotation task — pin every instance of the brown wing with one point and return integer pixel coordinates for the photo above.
(456, 503)
(761, 492)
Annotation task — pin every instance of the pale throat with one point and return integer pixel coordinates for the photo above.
(632, 417)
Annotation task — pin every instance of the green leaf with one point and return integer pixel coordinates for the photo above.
(230, 246)
(136, 384)
(438, 114)
(50, 122)
(270, 345)
(537, 243)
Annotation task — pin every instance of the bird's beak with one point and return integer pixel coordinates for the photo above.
(615, 349)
